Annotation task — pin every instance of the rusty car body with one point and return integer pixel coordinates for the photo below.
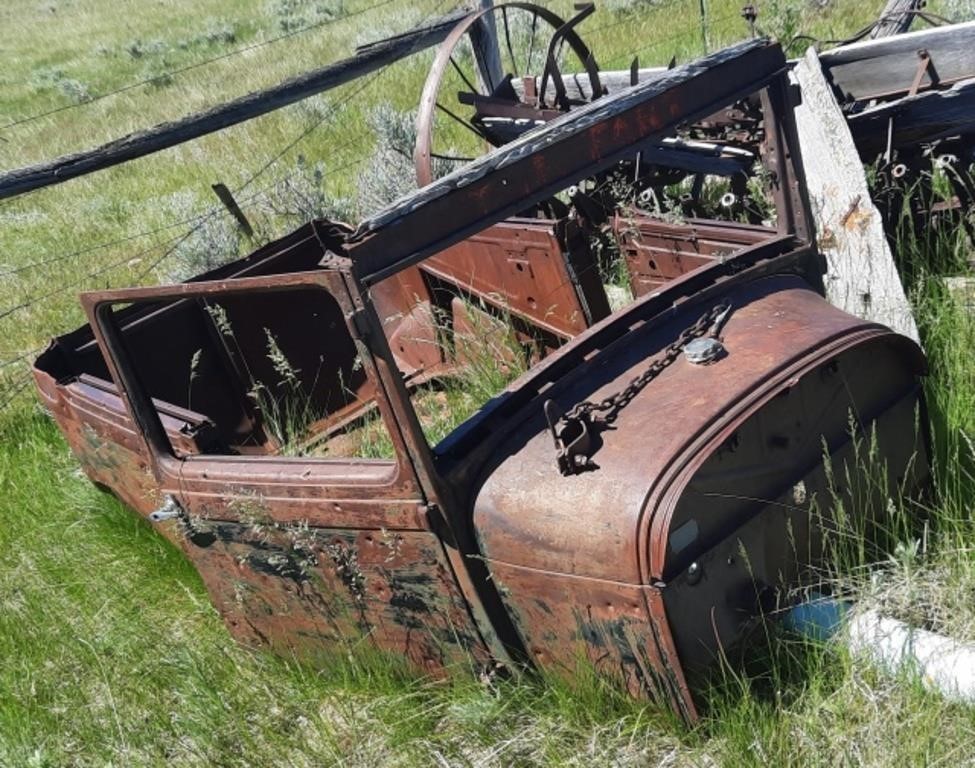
(623, 503)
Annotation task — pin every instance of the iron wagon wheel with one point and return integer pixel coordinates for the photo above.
(498, 93)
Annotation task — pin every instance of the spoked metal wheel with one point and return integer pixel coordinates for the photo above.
(479, 95)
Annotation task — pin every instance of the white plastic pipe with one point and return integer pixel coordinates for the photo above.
(944, 665)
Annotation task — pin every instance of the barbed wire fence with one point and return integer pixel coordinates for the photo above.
(15, 373)
(169, 75)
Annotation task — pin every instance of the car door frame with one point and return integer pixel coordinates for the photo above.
(378, 494)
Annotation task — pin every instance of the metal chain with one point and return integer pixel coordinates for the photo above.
(610, 406)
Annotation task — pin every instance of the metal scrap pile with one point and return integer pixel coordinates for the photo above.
(901, 104)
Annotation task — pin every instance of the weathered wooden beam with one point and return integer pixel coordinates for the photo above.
(166, 135)
(555, 156)
(699, 157)
(888, 67)
(896, 18)
(925, 117)
(860, 71)
(861, 276)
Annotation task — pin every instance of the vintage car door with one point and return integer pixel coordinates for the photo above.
(313, 550)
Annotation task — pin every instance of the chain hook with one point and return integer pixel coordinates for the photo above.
(723, 309)
(572, 430)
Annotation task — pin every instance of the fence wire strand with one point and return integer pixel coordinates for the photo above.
(195, 65)
(200, 220)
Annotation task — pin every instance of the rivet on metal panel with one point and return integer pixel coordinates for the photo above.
(799, 493)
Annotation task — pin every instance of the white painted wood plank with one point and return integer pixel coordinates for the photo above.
(577, 83)
(861, 276)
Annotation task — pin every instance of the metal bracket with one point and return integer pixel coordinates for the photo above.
(925, 66)
(438, 523)
(572, 438)
(360, 324)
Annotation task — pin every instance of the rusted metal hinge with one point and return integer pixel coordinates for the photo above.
(360, 324)
(438, 523)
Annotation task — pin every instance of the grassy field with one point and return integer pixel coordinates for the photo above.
(111, 653)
